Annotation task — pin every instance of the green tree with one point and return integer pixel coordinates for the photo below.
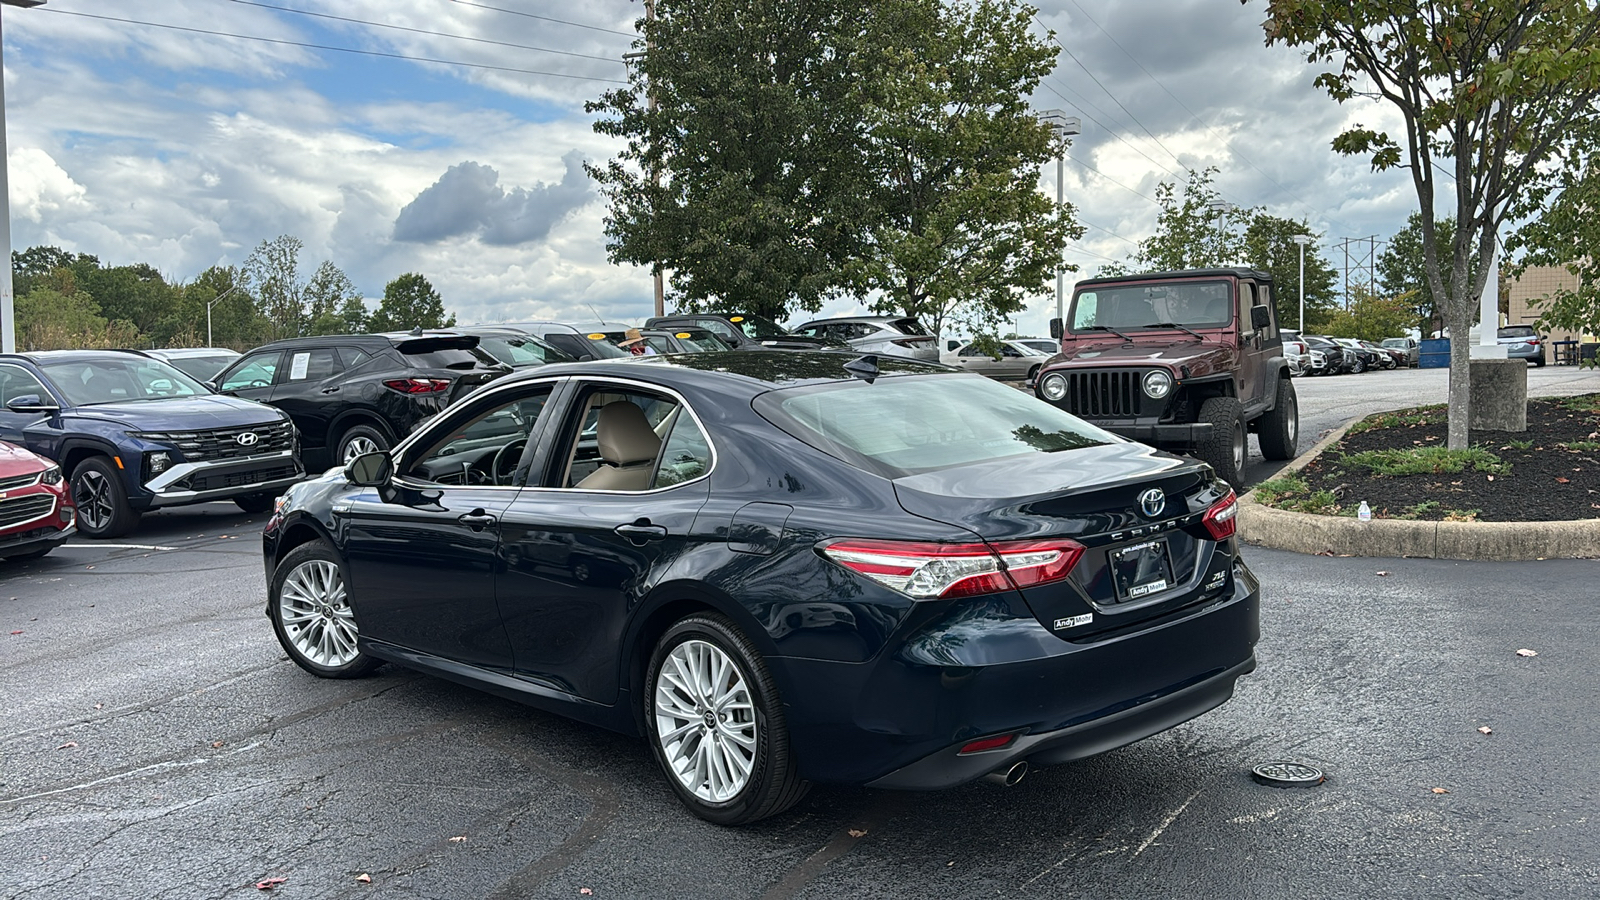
(1403, 270)
(1488, 91)
(1371, 317)
(1197, 230)
(958, 227)
(1568, 235)
(410, 302)
(236, 318)
(58, 315)
(1269, 245)
(333, 305)
(272, 272)
(755, 135)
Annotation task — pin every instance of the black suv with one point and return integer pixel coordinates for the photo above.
(1187, 360)
(351, 394)
(740, 331)
(133, 433)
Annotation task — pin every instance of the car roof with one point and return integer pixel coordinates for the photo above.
(191, 352)
(387, 340)
(875, 320)
(745, 372)
(1183, 273)
(43, 356)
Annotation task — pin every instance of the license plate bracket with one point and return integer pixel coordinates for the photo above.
(1141, 569)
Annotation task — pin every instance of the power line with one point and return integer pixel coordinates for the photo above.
(1075, 248)
(1113, 180)
(1108, 130)
(309, 46)
(1108, 231)
(518, 12)
(458, 37)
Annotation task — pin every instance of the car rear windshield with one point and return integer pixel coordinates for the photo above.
(909, 326)
(1518, 331)
(906, 425)
(759, 328)
(445, 353)
(516, 350)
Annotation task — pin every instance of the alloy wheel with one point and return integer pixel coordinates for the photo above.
(1241, 447)
(359, 445)
(91, 493)
(705, 721)
(1293, 416)
(316, 614)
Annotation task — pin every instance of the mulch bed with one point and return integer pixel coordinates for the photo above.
(1544, 481)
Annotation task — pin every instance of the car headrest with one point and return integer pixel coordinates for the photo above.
(624, 435)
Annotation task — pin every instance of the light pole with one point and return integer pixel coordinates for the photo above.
(8, 312)
(1302, 240)
(213, 302)
(1062, 126)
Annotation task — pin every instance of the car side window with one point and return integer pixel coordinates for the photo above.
(18, 382)
(254, 371)
(353, 356)
(481, 447)
(313, 365)
(1264, 298)
(612, 440)
(686, 454)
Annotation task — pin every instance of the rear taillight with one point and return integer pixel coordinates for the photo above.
(927, 571)
(1221, 520)
(418, 385)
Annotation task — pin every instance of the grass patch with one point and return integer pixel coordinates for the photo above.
(1580, 446)
(1519, 445)
(1426, 461)
(1293, 494)
(1587, 403)
(1421, 415)
(1419, 510)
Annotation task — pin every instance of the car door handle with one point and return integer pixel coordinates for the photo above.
(477, 520)
(331, 390)
(641, 531)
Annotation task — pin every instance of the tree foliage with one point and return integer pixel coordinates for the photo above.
(1403, 270)
(1487, 91)
(1371, 317)
(1269, 245)
(800, 151)
(410, 302)
(1568, 235)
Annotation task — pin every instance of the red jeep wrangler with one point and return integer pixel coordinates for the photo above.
(1187, 361)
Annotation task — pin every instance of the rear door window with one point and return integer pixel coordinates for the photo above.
(316, 364)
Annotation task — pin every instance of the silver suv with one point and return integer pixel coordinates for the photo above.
(886, 335)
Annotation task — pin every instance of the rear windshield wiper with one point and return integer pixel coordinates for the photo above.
(1173, 325)
(1107, 328)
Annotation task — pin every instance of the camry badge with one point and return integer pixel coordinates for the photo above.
(1153, 502)
(248, 439)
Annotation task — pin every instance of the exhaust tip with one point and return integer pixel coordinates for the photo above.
(1009, 776)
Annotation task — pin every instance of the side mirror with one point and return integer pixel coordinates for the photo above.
(1055, 329)
(211, 385)
(370, 470)
(586, 358)
(1260, 317)
(30, 403)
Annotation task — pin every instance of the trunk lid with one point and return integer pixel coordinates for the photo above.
(1092, 496)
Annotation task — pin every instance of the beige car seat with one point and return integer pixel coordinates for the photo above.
(628, 447)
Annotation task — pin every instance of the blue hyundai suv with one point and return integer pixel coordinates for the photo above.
(133, 433)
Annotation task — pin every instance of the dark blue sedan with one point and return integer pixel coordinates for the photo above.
(781, 568)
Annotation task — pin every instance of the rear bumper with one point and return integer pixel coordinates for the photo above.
(897, 723)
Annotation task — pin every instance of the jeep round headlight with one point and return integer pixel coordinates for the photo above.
(1157, 384)
(1053, 387)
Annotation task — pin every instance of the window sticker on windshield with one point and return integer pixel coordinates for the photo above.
(595, 337)
(298, 365)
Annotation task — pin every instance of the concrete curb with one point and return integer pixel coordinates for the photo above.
(1298, 532)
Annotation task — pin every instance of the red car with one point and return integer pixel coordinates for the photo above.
(36, 514)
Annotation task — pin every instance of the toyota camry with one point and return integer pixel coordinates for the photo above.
(781, 569)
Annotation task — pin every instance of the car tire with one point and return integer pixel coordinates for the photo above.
(1538, 362)
(101, 499)
(1359, 367)
(310, 611)
(359, 439)
(1033, 374)
(1278, 430)
(1227, 447)
(679, 720)
(259, 502)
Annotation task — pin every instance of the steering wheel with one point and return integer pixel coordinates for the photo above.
(504, 464)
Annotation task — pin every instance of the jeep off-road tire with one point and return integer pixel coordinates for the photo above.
(1228, 445)
(1278, 430)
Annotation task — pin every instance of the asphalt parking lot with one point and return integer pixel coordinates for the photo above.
(156, 743)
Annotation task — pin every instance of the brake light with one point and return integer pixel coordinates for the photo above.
(984, 744)
(1221, 520)
(418, 385)
(927, 571)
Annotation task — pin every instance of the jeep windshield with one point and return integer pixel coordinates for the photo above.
(86, 382)
(1134, 307)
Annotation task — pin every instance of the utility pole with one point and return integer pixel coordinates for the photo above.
(8, 311)
(655, 171)
(1062, 126)
(1302, 240)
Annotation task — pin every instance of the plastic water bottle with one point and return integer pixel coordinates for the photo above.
(1365, 512)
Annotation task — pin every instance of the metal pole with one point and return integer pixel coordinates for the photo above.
(1061, 170)
(8, 313)
(655, 172)
(208, 326)
(1302, 289)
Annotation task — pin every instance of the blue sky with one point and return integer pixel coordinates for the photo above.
(185, 150)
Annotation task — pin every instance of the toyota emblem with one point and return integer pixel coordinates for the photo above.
(248, 439)
(1153, 502)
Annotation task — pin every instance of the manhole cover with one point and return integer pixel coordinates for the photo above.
(1288, 774)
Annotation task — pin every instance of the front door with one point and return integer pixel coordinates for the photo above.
(15, 381)
(583, 544)
(422, 552)
(1250, 344)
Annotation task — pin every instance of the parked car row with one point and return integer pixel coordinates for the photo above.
(1338, 356)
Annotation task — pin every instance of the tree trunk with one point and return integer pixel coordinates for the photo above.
(1460, 324)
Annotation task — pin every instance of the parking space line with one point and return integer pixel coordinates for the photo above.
(121, 546)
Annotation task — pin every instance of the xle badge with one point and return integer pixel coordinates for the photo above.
(1074, 621)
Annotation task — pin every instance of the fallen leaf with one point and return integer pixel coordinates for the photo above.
(364, 878)
(1381, 572)
(88, 567)
(18, 631)
(68, 745)
(458, 839)
(1485, 730)
(585, 891)
(858, 832)
(216, 744)
(1440, 791)
(1526, 652)
(267, 884)
(1491, 477)
(1560, 480)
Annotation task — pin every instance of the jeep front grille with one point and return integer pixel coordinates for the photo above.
(1103, 394)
